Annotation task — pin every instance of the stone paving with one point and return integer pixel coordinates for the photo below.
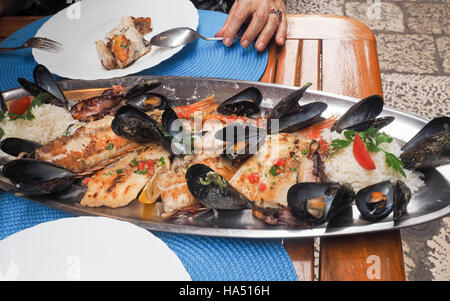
(413, 40)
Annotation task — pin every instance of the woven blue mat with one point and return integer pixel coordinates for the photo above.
(205, 258)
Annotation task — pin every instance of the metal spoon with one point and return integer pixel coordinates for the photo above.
(178, 36)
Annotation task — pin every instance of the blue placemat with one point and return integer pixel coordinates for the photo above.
(205, 258)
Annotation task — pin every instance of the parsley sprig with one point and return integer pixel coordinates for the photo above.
(372, 138)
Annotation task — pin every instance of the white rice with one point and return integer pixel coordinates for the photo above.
(50, 122)
(343, 168)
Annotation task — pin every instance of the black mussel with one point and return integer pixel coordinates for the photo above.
(361, 115)
(288, 104)
(176, 134)
(44, 79)
(141, 88)
(402, 196)
(377, 201)
(430, 147)
(18, 147)
(44, 95)
(318, 203)
(35, 177)
(148, 101)
(213, 190)
(302, 118)
(377, 123)
(133, 124)
(241, 141)
(245, 103)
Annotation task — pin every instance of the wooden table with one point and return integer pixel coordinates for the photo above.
(336, 54)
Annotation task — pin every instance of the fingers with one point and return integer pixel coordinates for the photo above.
(280, 36)
(238, 15)
(259, 20)
(267, 33)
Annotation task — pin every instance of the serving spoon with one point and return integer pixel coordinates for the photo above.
(179, 36)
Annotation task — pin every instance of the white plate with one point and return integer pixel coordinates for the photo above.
(88, 248)
(78, 26)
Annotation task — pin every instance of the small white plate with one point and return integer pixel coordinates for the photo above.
(90, 249)
(83, 23)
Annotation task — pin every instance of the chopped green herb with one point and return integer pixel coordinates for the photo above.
(213, 177)
(2, 133)
(134, 162)
(293, 169)
(305, 151)
(161, 161)
(119, 171)
(273, 170)
(83, 162)
(141, 172)
(67, 133)
(110, 146)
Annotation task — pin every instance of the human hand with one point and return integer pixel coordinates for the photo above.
(264, 24)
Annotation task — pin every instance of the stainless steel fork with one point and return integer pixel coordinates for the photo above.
(38, 43)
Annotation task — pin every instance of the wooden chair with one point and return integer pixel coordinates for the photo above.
(339, 55)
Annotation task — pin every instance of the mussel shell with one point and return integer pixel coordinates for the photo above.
(245, 103)
(364, 110)
(337, 198)
(47, 97)
(175, 135)
(288, 104)
(402, 196)
(148, 102)
(430, 152)
(44, 79)
(133, 124)
(302, 118)
(213, 195)
(436, 126)
(141, 88)
(37, 177)
(15, 146)
(364, 195)
(377, 123)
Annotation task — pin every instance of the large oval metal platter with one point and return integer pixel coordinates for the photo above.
(429, 203)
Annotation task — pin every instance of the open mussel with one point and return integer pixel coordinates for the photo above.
(303, 117)
(430, 147)
(318, 203)
(245, 103)
(18, 147)
(133, 124)
(35, 177)
(362, 115)
(288, 104)
(377, 201)
(45, 87)
(213, 190)
(240, 141)
(148, 102)
(141, 88)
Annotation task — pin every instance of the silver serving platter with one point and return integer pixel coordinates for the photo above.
(430, 203)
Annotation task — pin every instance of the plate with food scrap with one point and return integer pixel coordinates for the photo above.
(224, 157)
(110, 38)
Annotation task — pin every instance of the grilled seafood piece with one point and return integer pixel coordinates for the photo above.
(125, 43)
(266, 176)
(119, 184)
(90, 148)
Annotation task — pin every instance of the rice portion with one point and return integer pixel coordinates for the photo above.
(343, 168)
(50, 122)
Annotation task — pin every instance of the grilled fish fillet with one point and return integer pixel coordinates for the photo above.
(125, 43)
(266, 177)
(90, 148)
(120, 184)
